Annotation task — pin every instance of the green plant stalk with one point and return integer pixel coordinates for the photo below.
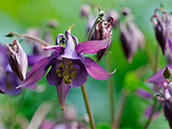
(111, 85)
(32, 38)
(84, 92)
(155, 101)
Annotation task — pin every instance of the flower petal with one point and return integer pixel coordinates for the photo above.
(35, 74)
(69, 51)
(158, 78)
(95, 70)
(52, 77)
(62, 92)
(32, 59)
(81, 75)
(92, 46)
(143, 93)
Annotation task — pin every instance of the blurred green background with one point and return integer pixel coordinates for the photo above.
(21, 15)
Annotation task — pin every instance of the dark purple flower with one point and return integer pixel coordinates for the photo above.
(131, 38)
(68, 65)
(17, 59)
(163, 29)
(166, 103)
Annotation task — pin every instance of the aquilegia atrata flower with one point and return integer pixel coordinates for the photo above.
(68, 65)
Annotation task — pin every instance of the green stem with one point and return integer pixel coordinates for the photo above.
(155, 101)
(32, 38)
(84, 92)
(121, 106)
(111, 90)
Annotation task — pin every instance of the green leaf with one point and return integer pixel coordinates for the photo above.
(132, 82)
(103, 126)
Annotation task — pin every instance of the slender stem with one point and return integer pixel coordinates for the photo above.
(152, 113)
(121, 106)
(155, 101)
(111, 89)
(33, 38)
(84, 92)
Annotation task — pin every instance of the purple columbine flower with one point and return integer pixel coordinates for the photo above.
(166, 103)
(163, 29)
(68, 65)
(112, 14)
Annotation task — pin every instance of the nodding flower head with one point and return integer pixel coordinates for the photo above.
(17, 59)
(102, 30)
(162, 22)
(68, 67)
(166, 101)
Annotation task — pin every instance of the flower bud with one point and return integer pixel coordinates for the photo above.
(166, 103)
(131, 38)
(114, 15)
(17, 59)
(10, 34)
(85, 10)
(167, 73)
(125, 11)
(102, 30)
(163, 29)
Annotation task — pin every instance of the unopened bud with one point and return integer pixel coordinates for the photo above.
(10, 34)
(17, 59)
(125, 11)
(167, 73)
(102, 30)
(163, 29)
(53, 23)
(85, 10)
(131, 38)
(115, 17)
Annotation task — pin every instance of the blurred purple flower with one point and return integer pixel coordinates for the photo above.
(8, 80)
(37, 51)
(68, 65)
(85, 10)
(131, 38)
(163, 29)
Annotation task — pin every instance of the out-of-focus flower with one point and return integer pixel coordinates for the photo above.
(17, 59)
(125, 11)
(158, 78)
(8, 80)
(166, 103)
(102, 30)
(85, 10)
(37, 51)
(68, 65)
(163, 29)
(131, 38)
(112, 14)
(53, 23)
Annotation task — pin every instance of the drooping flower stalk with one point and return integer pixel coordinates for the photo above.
(155, 101)
(29, 37)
